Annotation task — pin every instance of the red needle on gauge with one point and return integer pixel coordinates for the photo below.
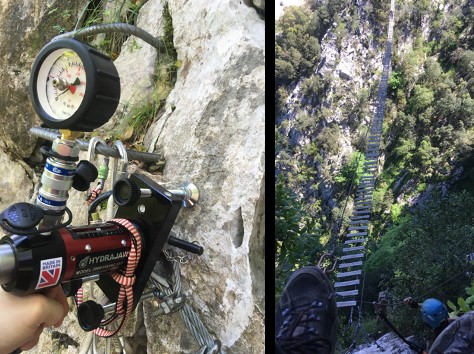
(72, 87)
(66, 86)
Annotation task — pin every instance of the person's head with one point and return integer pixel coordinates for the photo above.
(433, 312)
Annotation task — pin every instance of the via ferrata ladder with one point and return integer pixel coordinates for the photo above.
(350, 263)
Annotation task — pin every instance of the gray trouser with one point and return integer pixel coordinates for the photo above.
(457, 338)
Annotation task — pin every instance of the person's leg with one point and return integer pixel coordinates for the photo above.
(457, 338)
(305, 317)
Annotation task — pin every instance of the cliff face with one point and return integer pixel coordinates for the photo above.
(327, 109)
(325, 101)
(209, 131)
(348, 71)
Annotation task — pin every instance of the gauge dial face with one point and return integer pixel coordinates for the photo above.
(61, 83)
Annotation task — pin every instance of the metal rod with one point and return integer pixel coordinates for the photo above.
(179, 193)
(51, 134)
(145, 296)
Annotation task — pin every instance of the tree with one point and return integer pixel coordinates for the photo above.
(350, 170)
(395, 81)
(466, 68)
(434, 240)
(297, 47)
(285, 72)
(432, 72)
(328, 139)
(426, 157)
(422, 98)
(297, 235)
(280, 100)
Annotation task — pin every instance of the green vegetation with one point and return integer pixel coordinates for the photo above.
(465, 304)
(353, 169)
(134, 124)
(296, 46)
(296, 236)
(422, 220)
(118, 11)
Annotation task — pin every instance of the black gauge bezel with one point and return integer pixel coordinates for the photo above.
(102, 92)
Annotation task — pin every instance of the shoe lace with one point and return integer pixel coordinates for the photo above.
(302, 329)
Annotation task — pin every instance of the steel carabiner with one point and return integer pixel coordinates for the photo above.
(327, 269)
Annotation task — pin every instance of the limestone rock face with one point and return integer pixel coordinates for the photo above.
(25, 28)
(212, 133)
(15, 184)
(388, 343)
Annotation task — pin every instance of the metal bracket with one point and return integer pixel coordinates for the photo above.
(189, 192)
(171, 303)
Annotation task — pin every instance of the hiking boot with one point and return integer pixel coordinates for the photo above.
(457, 338)
(305, 320)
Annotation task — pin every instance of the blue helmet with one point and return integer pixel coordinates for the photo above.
(433, 312)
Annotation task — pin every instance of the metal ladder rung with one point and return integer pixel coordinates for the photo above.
(360, 207)
(351, 256)
(362, 211)
(354, 228)
(363, 202)
(363, 193)
(363, 205)
(348, 274)
(354, 217)
(347, 293)
(366, 185)
(356, 234)
(358, 222)
(354, 248)
(366, 193)
(346, 303)
(359, 240)
(365, 188)
(364, 182)
(352, 264)
(363, 198)
(341, 284)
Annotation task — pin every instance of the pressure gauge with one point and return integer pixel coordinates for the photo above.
(73, 86)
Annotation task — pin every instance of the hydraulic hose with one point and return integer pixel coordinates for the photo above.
(99, 200)
(114, 27)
